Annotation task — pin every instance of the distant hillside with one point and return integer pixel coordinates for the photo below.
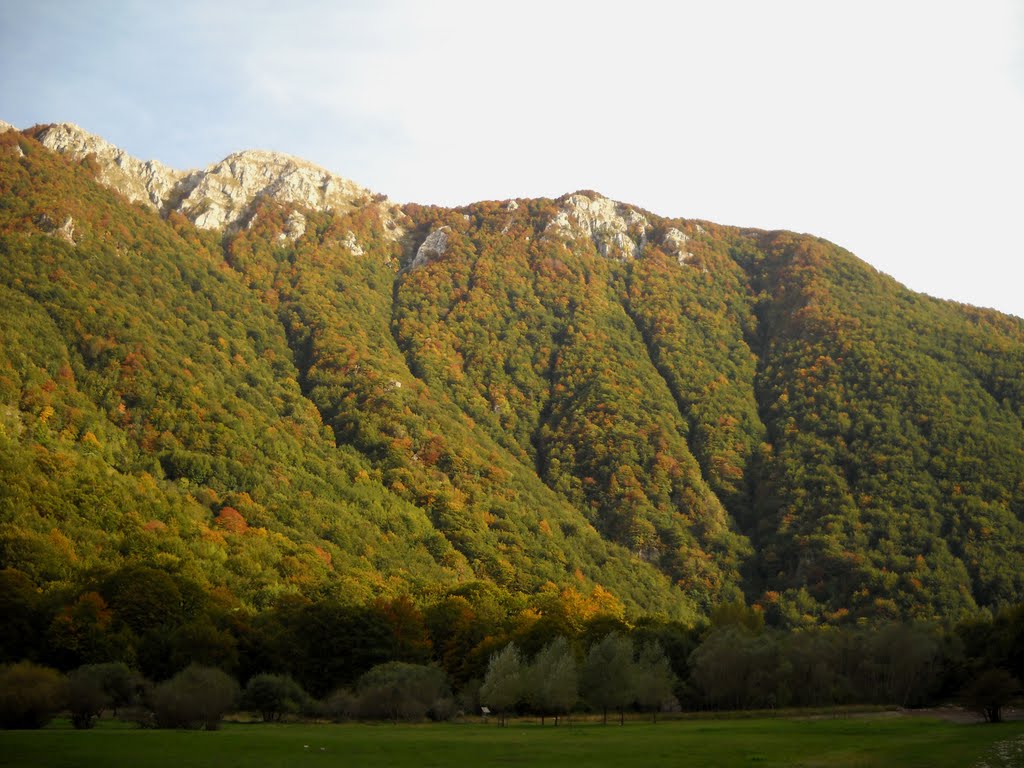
(272, 380)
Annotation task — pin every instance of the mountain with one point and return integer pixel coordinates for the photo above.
(270, 379)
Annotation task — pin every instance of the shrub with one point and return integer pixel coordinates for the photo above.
(443, 708)
(992, 690)
(30, 695)
(339, 706)
(274, 696)
(401, 691)
(95, 687)
(86, 698)
(196, 697)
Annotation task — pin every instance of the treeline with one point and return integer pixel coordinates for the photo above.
(552, 653)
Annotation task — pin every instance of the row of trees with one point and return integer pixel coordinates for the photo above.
(613, 675)
(196, 697)
(199, 696)
(158, 623)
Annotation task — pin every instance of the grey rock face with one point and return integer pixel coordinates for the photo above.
(674, 244)
(618, 231)
(224, 194)
(148, 182)
(432, 248)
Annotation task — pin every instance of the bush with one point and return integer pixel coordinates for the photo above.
(274, 696)
(443, 709)
(95, 687)
(122, 686)
(86, 698)
(401, 691)
(340, 706)
(992, 690)
(196, 697)
(30, 695)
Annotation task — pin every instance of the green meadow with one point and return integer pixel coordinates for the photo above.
(835, 743)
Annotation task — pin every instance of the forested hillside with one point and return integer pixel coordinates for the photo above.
(573, 400)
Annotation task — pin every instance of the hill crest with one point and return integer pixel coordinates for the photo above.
(569, 394)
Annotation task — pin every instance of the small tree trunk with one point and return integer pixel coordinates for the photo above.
(604, 720)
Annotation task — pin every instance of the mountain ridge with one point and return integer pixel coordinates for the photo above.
(218, 196)
(223, 194)
(569, 394)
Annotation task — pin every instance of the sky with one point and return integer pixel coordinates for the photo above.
(895, 128)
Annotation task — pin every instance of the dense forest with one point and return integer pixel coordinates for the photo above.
(154, 648)
(564, 401)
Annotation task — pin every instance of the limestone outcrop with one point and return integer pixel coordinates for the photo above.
(224, 194)
(674, 243)
(149, 182)
(432, 248)
(618, 231)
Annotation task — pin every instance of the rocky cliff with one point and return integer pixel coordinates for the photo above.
(223, 194)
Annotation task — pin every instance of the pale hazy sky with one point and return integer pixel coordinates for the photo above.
(895, 129)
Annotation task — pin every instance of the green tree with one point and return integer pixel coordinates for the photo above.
(84, 633)
(736, 669)
(738, 614)
(653, 678)
(503, 687)
(330, 644)
(552, 680)
(608, 677)
(19, 605)
(905, 662)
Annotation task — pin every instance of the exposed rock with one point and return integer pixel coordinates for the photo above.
(225, 193)
(148, 182)
(617, 230)
(674, 244)
(65, 231)
(5, 126)
(512, 206)
(294, 226)
(350, 242)
(433, 247)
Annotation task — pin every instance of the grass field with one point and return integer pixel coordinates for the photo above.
(835, 743)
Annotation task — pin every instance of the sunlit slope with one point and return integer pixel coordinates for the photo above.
(549, 394)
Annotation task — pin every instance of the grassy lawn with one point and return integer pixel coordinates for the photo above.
(839, 743)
